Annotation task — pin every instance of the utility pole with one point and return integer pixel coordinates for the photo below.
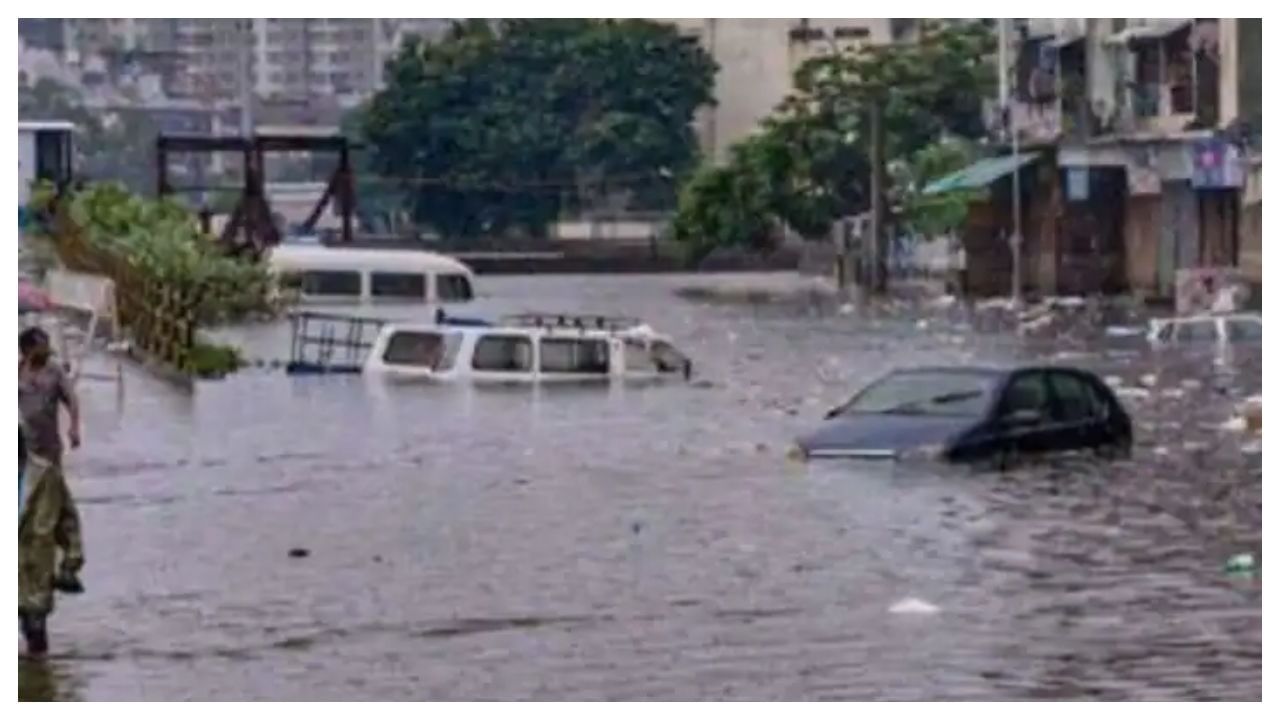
(1006, 115)
(878, 246)
(245, 40)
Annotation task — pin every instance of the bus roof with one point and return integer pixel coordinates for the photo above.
(313, 257)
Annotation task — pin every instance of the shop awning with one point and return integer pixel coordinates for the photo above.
(980, 174)
(1150, 31)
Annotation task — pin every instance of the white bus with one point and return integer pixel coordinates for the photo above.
(356, 276)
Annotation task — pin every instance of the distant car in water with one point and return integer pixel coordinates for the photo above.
(964, 414)
(1221, 330)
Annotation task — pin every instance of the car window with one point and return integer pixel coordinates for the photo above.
(1197, 331)
(1244, 330)
(1027, 391)
(1076, 398)
(924, 393)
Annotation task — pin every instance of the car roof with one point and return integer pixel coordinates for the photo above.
(990, 370)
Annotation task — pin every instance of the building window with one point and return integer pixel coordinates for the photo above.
(503, 354)
(850, 33)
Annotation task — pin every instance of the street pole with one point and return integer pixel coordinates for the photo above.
(245, 38)
(1006, 115)
(877, 244)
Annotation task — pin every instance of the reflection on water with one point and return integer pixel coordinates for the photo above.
(653, 542)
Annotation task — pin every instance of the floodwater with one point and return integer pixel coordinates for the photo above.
(653, 542)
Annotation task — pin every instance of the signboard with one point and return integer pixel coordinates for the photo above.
(1215, 165)
(1143, 180)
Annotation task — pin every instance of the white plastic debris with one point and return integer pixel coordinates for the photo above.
(846, 309)
(1113, 380)
(1172, 393)
(1148, 380)
(1117, 331)
(1160, 450)
(1133, 393)
(913, 606)
(1235, 424)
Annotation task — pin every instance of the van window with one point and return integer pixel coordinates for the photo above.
(418, 349)
(498, 353)
(666, 358)
(1244, 330)
(453, 288)
(1198, 331)
(636, 355)
(575, 355)
(398, 285)
(344, 283)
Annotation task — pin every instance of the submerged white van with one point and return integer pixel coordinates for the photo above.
(353, 275)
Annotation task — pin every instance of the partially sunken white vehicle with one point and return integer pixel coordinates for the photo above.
(526, 348)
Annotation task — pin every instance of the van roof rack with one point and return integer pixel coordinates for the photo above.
(572, 320)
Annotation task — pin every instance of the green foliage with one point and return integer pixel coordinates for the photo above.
(214, 361)
(161, 240)
(808, 165)
(507, 124)
(932, 215)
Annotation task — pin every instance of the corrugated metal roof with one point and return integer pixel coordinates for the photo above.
(980, 174)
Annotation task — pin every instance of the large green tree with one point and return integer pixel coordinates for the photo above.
(508, 124)
(811, 155)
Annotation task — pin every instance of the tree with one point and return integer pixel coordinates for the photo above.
(812, 152)
(508, 124)
(932, 215)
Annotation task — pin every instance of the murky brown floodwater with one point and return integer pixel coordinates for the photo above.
(650, 543)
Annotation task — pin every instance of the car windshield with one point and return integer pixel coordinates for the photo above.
(958, 394)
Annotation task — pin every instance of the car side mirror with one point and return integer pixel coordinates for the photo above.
(832, 413)
(1023, 418)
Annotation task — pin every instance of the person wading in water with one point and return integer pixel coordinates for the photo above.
(47, 518)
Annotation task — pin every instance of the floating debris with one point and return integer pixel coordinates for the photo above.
(1132, 393)
(1148, 380)
(1242, 564)
(1235, 424)
(913, 606)
(299, 552)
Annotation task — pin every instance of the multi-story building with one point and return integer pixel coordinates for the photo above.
(1145, 136)
(758, 59)
(208, 59)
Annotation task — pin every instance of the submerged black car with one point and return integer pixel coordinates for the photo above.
(974, 413)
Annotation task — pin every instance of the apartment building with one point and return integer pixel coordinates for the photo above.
(758, 59)
(1140, 154)
(209, 59)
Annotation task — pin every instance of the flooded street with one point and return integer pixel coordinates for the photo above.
(653, 542)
